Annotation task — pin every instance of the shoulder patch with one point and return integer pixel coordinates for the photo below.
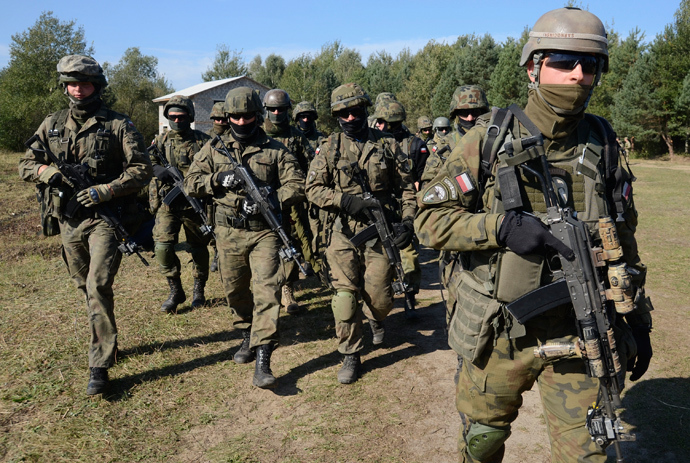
(436, 193)
(465, 182)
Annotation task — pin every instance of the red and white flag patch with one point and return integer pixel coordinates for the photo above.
(627, 189)
(465, 182)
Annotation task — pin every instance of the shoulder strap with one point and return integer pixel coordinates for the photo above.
(56, 133)
(495, 134)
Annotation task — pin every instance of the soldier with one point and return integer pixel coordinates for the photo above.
(332, 184)
(468, 103)
(425, 129)
(390, 116)
(277, 103)
(505, 254)
(305, 116)
(380, 98)
(178, 145)
(247, 248)
(220, 122)
(113, 152)
(220, 126)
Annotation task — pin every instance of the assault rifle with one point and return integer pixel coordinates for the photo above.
(78, 176)
(260, 197)
(178, 188)
(585, 281)
(381, 228)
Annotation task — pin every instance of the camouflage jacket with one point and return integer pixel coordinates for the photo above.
(266, 159)
(315, 139)
(294, 140)
(387, 170)
(416, 150)
(107, 142)
(457, 213)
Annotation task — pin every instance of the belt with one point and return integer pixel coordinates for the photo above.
(242, 223)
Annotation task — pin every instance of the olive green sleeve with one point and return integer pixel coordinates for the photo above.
(138, 171)
(291, 189)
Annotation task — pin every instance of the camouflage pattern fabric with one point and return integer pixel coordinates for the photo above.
(89, 245)
(496, 370)
(179, 148)
(247, 255)
(364, 270)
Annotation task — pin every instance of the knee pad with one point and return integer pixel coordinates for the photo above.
(483, 441)
(344, 305)
(165, 254)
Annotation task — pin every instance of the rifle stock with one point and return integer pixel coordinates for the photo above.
(81, 180)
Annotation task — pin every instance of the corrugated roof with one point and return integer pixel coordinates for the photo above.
(198, 88)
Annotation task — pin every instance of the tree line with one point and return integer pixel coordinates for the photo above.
(645, 94)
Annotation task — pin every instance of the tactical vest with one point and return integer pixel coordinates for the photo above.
(586, 177)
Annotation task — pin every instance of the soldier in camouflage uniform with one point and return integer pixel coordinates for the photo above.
(380, 98)
(506, 254)
(467, 105)
(220, 122)
(390, 116)
(113, 151)
(333, 185)
(179, 145)
(425, 129)
(220, 126)
(277, 125)
(247, 248)
(305, 116)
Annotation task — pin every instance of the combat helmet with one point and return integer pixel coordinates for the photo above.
(277, 98)
(441, 122)
(567, 29)
(348, 96)
(181, 102)
(79, 68)
(243, 100)
(304, 107)
(217, 110)
(468, 97)
(424, 123)
(390, 111)
(384, 96)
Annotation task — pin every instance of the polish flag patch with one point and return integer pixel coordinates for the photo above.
(465, 182)
(626, 191)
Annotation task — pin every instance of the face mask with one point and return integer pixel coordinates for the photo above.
(354, 128)
(566, 99)
(467, 125)
(179, 126)
(278, 119)
(244, 132)
(305, 126)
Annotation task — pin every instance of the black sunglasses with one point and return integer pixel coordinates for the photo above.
(356, 111)
(569, 61)
(476, 112)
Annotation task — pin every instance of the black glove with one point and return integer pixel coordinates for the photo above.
(524, 234)
(228, 179)
(162, 174)
(354, 205)
(56, 180)
(638, 365)
(249, 207)
(404, 233)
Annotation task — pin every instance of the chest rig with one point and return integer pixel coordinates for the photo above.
(94, 148)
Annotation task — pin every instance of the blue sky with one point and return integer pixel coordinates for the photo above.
(184, 35)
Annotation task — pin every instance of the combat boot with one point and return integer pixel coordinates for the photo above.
(244, 354)
(98, 381)
(263, 376)
(177, 295)
(377, 331)
(198, 297)
(349, 372)
(214, 263)
(288, 299)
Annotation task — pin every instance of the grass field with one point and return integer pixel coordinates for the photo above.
(178, 397)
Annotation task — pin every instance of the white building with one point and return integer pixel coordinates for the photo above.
(203, 96)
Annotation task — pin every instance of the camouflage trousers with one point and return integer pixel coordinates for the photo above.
(166, 233)
(89, 248)
(300, 231)
(365, 271)
(492, 394)
(252, 274)
(410, 261)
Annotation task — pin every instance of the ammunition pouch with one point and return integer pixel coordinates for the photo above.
(49, 199)
(517, 275)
